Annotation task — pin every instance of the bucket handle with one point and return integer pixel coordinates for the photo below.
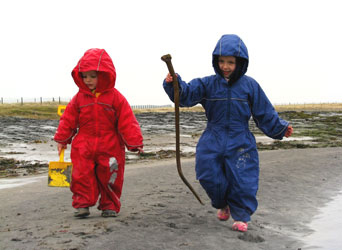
(61, 156)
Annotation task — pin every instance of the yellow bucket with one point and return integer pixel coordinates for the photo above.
(60, 171)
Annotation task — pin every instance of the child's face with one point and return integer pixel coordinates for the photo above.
(90, 79)
(227, 65)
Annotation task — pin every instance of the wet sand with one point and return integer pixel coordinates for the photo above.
(159, 212)
(325, 236)
(26, 145)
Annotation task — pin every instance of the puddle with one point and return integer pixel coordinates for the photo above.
(327, 227)
(31, 140)
(11, 183)
(331, 114)
(267, 140)
(34, 152)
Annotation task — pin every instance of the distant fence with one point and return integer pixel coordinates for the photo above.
(41, 100)
(150, 106)
(59, 100)
(335, 106)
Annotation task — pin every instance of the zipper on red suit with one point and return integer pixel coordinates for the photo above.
(96, 125)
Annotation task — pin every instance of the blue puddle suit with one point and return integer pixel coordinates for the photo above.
(227, 162)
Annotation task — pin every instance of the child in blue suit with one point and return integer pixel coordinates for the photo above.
(227, 162)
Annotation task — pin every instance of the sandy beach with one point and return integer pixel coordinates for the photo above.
(159, 212)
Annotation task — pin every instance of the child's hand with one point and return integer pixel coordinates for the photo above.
(169, 78)
(140, 150)
(60, 146)
(289, 131)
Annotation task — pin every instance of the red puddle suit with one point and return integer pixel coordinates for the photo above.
(104, 124)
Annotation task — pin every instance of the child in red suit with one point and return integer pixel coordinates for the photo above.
(103, 122)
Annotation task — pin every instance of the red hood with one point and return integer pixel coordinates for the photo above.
(98, 60)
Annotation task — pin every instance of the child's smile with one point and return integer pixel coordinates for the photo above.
(227, 65)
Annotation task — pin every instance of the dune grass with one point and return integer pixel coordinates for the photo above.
(31, 110)
(310, 107)
(328, 107)
(49, 110)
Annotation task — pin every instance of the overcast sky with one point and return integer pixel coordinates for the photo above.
(295, 46)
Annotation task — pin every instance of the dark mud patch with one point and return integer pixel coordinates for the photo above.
(12, 168)
(20, 137)
(22, 130)
(324, 129)
(312, 129)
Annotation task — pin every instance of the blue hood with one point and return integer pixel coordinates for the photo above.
(231, 45)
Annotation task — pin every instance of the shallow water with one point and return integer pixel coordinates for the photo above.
(10, 183)
(327, 227)
(34, 152)
(32, 140)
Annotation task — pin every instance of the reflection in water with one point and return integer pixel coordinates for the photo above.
(327, 226)
(10, 183)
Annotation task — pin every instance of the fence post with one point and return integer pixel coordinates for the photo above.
(2, 100)
(59, 100)
(22, 101)
(41, 100)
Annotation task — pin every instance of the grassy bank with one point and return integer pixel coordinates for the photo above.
(49, 110)
(329, 107)
(310, 107)
(30, 110)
